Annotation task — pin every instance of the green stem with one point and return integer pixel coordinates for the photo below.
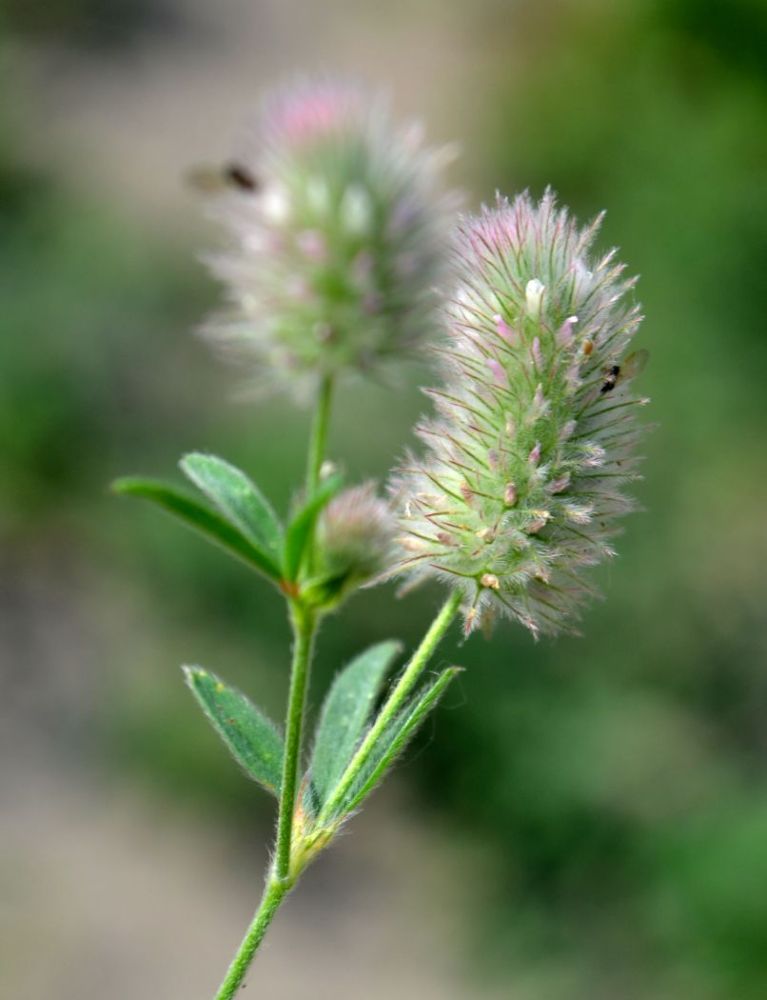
(395, 701)
(304, 623)
(304, 627)
(270, 901)
(319, 435)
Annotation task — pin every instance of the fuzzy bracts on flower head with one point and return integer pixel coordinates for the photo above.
(355, 534)
(534, 440)
(334, 253)
(355, 542)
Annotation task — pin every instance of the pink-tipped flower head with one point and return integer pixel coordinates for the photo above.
(533, 445)
(336, 245)
(311, 112)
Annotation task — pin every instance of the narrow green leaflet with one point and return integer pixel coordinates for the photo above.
(345, 714)
(201, 517)
(396, 737)
(237, 498)
(251, 737)
(300, 528)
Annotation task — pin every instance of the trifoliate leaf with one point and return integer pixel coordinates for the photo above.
(395, 738)
(252, 739)
(201, 517)
(237, 498)
(345, 714)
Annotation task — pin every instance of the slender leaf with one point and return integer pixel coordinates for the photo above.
(251, 737)
(396, 736)
(237, 498)
(200, 517)
(345, 714)
(300, 528)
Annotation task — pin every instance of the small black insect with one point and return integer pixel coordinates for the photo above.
(611, 378)
(633, 365)
(215, 180)
(240, 177)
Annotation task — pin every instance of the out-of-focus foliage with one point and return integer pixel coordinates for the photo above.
(618, 782)
(94, 25)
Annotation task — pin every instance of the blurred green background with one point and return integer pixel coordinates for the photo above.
(586, 818)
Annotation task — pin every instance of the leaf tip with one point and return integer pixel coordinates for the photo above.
(193, 674)
(122, 486)
(188, 461)
(395, 646)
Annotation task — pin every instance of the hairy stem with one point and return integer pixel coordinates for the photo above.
(304, 623)
(397, 697)
(319, 435)
(304, 627)
(274, 893)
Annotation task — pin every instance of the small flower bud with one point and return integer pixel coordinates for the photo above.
(534, 297)
(540, 520)
(594, 455)
(356, 210)
(355, 540)
(412, 544)
(566, 332)
(503, 328)
(559, 485)
(470, 621)
(567, 431)
(578, 513)
(498, 371)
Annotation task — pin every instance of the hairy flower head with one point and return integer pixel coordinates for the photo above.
(355, 543)
(336, 231)
(533, 444)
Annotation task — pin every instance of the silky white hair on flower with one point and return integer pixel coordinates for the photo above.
(528, 458)
(332, 256)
